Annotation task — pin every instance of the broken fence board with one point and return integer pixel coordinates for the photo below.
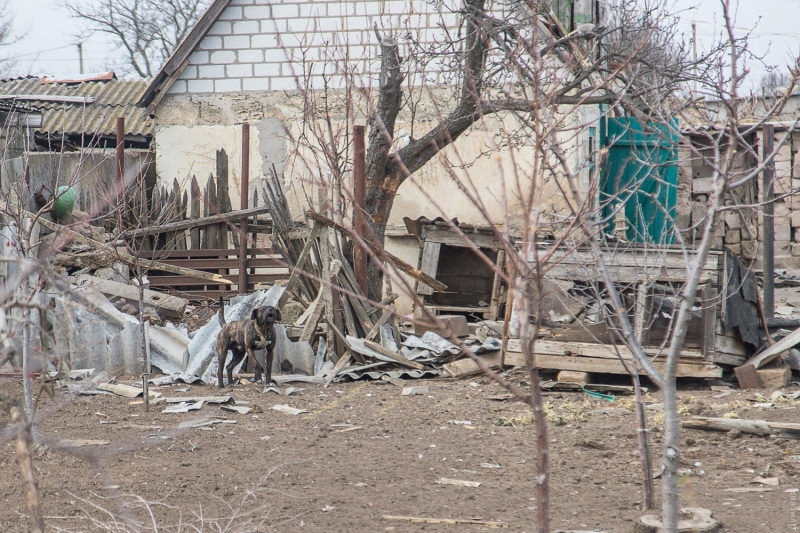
(172, 305)
(786, 343)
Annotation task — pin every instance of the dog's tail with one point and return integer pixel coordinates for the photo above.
(221, 314)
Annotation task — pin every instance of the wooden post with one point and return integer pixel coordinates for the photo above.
(194, 208)
(223, 203)
(360, 206)
(120, 152)
(768, 219)
(244, 197)
(211, 203)
(120, 186)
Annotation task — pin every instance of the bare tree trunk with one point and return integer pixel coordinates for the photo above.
(24, 459)
(644, 441)
(145, 359)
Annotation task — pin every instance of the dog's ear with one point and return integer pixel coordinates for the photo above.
(254, 315)
(278, 314)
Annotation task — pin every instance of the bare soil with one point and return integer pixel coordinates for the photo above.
(271, 471)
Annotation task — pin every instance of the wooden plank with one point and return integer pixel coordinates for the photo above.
(786, 343)
(298, 267)
(212, 232)
(340, 364)
(709, 319)
(169, 304)
(429, 264)
(382, 254)
(727, 345)
(356, 303)
(764, 428)
(386, 301)
(494, 304)
(182, 216)
(387, 314)
(196, 222)
(214, 253)
(223, 197)
(255, 262)
(316, 310)
(612, 366)
(588, 349)
(400, 359)
(178, 281)
(452, 238)
(726, 359)
(422, 520)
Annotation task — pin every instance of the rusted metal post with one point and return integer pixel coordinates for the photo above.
(360, 205)
(768, 212)
(244, 196)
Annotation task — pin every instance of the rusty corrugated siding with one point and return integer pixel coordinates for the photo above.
(112, 99)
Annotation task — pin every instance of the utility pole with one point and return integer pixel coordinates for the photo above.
(80, 57)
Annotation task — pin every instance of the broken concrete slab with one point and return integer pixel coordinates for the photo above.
(166, 305)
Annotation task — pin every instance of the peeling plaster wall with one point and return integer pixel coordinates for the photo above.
(190, 128)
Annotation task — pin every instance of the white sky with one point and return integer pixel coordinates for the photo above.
(49, 47)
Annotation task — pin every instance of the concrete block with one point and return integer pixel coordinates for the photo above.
(189, 73)
(781, 210)
(368, 8)
(702, 185)
(733, 220)
(223, 57)
(179, 87)
(267, 40)
(783, 232)
(733, 236)
(250, 56)
(267, 70)
(257, 12)
(570, 376)
(211, 43)
(221, 27)
(255, 84)
(794, 218)
(284, 84)
(285, 11)
(311, 9)
(239, 71)
(775, 378)
(749, 249)
(340, 9)
(234, 42)
(211, 71)
(200, 86)
(699, 211)
(246, 27)
(231, 13)
(199, 58)
(227, 86)
(736, 249)
(796, 250)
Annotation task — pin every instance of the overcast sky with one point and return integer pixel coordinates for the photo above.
(49, 46)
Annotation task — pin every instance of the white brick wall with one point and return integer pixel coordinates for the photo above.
(258, 45)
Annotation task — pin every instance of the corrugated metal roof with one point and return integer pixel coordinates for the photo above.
(112, 99)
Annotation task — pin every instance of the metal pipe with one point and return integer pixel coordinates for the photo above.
(360, 205)
(768, 223)
(245, 193)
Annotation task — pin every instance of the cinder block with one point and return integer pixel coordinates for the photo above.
(775, 378)
(781, 210)
(223, 57)
(285, 11)
(235, 42)
(749, 249)
(267, 69)
(267, 41)
(199, 58)
(570, 376)
(200, 86)
(221, 27)
(250, 56)
(231, 13)
(284, 84)
(246, 27)
(703, 186)
(227, 86)
(733, 236)
(239, 71)
(733, 220)
(796, 250)
(736, 249)
(211, 71)
(179, 87)
(258, 12)
(211, 43)
(255, 84)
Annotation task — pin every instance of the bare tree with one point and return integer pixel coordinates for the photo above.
(146, 31)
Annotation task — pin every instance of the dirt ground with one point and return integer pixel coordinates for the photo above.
(364, 451)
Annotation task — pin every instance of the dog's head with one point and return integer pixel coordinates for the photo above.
(266, 316)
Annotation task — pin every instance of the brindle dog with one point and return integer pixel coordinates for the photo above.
(246, 336)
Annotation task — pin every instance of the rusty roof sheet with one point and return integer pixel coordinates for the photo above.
(110, 99)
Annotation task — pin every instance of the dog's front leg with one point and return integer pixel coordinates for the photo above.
(268, 361)
(251, 354)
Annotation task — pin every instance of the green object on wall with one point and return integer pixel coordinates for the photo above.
(641, 172)
(64, 202)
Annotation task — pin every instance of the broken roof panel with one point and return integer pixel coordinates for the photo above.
(82, 107)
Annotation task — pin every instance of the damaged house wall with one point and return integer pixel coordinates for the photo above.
(246, 69)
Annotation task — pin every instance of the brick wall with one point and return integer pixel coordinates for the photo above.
(263, 45)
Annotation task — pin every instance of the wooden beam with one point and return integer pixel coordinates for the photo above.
(298, 267)
(398, 358)
(429, 264)
(380, 253)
